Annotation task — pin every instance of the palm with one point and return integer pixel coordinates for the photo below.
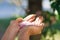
(38, 25)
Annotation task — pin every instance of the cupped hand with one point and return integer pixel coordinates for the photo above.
(34, 29)
(14, 28)
(36, 26)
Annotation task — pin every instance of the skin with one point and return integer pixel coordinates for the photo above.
(27, 31)
(24, 33)
(11, 31)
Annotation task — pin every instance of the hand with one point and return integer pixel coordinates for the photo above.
(37, 26)
(13, 29)
(27, 31)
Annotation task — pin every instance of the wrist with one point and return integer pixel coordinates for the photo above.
(24, 35)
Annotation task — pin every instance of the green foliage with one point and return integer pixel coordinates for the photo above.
(56, 5)
(52, 32)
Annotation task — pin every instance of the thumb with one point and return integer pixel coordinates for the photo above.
(19, 20)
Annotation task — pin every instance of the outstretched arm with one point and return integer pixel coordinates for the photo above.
(12, 30)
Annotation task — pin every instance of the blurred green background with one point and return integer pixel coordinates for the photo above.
(50, 10)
